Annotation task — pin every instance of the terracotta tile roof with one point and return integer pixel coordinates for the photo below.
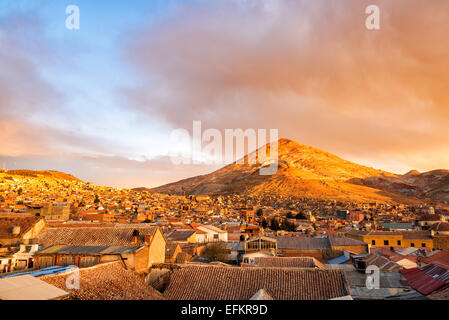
(108, 281)
(104, 236)
(287, 262)
(234, 283)
(7, 223)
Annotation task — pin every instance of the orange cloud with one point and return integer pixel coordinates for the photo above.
(309, 68)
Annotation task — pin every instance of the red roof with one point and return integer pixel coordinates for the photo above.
(441, 257)
(427, 279)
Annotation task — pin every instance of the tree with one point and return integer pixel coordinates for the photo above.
(301, 216)
(259, 212)
(264, 223)
(97, 200)
(19, 192)
(274, 225)
(217, 251)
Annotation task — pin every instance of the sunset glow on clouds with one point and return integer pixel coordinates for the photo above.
(101, 102)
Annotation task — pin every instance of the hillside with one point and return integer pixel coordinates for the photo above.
(303, 171)
(41, 174)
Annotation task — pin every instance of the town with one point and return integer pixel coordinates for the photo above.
(134, 244)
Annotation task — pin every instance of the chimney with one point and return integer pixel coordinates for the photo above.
(135, 236)
(148, 239)
(16, 230)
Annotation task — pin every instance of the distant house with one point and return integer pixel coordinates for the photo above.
(320, 248)
(403, 239)
(355, 217)
(211, 233)
(16, 230)
(397, 226)
(55, 211)
(171, 252)
(252, 257)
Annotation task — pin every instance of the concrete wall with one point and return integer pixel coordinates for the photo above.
(157, 249)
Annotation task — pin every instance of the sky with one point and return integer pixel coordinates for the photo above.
(101, 102)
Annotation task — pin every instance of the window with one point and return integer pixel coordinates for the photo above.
(87, 262)
(399, 242)
(386, 243)
(412, 244)
(45, 262)
(215, 236)
(373, 242)
(67, 261)
(423, 245)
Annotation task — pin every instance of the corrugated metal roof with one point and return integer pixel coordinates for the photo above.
(427, 279)
(397, 225)
(338, 260)
(303, 243)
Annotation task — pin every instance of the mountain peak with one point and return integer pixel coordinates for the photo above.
(412, 173)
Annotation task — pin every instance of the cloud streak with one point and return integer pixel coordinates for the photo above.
(311, 69)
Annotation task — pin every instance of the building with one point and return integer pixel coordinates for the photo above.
(205, 282)
(106, 281)
(58, 211)
(403, 239)
(427, 279)
(117, 239)
(17, 229)
(171, 252)
(323, 249)
(210, 233)
(283, 262)
(134, 257)
(181, 236)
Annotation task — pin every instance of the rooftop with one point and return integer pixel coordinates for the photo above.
(234, 283)
(108, 281)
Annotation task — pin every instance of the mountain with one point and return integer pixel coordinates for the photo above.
(41, 174)
(309, 172)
